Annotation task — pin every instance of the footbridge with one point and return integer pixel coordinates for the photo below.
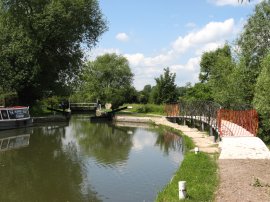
(237, 127)
(225, 122)
(82, 106)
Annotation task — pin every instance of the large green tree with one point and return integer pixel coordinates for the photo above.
(200, 91)
(254, 44)
(262, 98)
(42, 41)
(165, 90)
(109, 79)
(219, 75)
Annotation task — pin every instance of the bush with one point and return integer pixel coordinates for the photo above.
(147, 108)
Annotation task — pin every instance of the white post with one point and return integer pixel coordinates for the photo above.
(196, 150)
(182, 189)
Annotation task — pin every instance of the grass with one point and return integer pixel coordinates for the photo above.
(146, 109)
(200, 173)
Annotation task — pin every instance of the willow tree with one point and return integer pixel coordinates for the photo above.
(41, 43)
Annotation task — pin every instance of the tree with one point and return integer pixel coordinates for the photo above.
(200, 91)
(41, 43)
(217, 74)
(144, 95)
(262, 99)
(109, 79)
(165, 90)
(254, 44)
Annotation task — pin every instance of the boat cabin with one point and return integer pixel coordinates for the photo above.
(17, 112)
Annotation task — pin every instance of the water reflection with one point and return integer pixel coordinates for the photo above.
(107, 143)
(14, 139)
(88, 162)
(42, 171)
(168, 141)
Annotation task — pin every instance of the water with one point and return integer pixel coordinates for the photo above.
(86, 162)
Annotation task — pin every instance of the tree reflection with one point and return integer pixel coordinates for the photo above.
(167, 141)
(107, 143)
(43, 171)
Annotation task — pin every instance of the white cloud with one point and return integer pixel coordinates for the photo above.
(122, 37)
(209, 47)
(191, 65)
(227, 2)
(213, 31)
(135, 59)
(192, 46)
(234, 2)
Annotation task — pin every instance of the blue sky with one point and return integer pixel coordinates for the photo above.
(155, 34)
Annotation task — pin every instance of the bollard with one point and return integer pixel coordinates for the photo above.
(182, 189)
(196, 149)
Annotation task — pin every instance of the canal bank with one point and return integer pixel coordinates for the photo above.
(200, 139)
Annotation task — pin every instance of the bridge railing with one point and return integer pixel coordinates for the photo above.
(248, 121)
(82, 106)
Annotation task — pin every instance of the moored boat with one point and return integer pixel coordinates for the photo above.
(14, 117)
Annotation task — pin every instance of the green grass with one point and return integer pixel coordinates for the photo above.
(146, 109)
(200, 173)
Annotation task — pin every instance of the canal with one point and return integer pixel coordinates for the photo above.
(82, 161)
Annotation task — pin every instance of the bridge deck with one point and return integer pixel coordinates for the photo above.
(227, 128)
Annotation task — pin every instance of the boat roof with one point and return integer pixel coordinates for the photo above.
(13, 107)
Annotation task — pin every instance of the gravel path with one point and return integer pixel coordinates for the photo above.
(244, 180)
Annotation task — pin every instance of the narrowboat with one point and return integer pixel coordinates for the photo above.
(14, 117)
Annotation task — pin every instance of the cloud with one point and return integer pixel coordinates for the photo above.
(182, 56)
(234, 2)
(213, 31)
(191, 65)
(135, 59)
(227, 2)
(123, 37)
(209, 47)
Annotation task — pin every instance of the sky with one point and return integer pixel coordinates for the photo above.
(155, 34)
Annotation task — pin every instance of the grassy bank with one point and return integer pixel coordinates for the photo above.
(200, 173)
(146, 109)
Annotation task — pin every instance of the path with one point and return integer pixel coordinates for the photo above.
(243, 148)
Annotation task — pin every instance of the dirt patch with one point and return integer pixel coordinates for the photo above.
(244, 180)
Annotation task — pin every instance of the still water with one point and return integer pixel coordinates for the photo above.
(81, 161)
